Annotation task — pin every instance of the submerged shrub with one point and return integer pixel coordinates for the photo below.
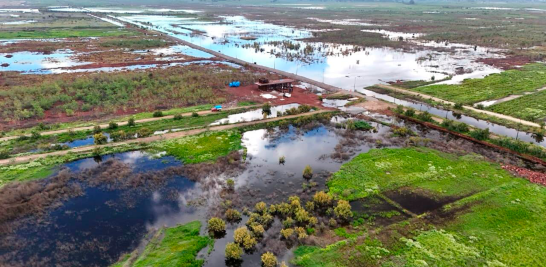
(287, 233)
(100, 139)
(240, 234)
(289, 222)
(307, 172)
(258, 229)
(216, 225)
(266, 108)
(233, 251)
(261, 207)
(230, 184)
(233, 215)
(269, 260)
(401, 131)
(301, 232)
(302, 216)
(282, 160)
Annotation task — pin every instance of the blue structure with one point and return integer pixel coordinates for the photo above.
(235, 84)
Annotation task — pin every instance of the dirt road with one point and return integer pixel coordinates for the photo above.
(153, 138)
(205, 112)
(500, 116)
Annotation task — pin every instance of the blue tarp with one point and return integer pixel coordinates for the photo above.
(218, 107)
(235, 84)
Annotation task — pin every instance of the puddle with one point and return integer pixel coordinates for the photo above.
(395, 36)
(254, 115)
(415, 201)
(37, 63)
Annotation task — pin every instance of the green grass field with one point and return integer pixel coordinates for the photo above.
(179, 247)
(495, 86)
(499, 221)
(530, 107)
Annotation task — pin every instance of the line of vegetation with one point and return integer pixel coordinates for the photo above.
(66, 33)
(135, 43)
(483, 134)
(529, 107)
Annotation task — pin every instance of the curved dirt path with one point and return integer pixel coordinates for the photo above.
(490, 113)
(153, 138)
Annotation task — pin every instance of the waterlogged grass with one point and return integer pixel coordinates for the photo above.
(203, 147)
(529, 107)
(501, 224)
(526, 79)
(179, 247)
(65, 33)
(24, 172)
(382, 170)
(135, 44)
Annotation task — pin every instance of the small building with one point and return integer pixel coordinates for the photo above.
(283, 85)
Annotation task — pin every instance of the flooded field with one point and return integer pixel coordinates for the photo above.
(111, 203)
(345, 66)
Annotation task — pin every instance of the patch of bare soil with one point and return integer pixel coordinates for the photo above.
(506, 63)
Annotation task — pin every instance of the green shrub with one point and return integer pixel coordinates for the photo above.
(195, 114)
(399, 109)
(157, 114)
(458, 106)
(97, 129)
(480, 134)
(425, 116)
(4, 154)
(322, 199)
(177, 117)
(362, 125)
(230, 184)
(144, 132)
(131, 122)
(112, 125)
(410, 112)
(343, 210)
(100, 139)
(266, 108)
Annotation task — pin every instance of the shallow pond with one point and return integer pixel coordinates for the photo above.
(254, 115)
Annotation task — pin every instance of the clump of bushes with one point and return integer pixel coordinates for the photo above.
(195, 114)
(216, 226)
(266, 109)
(455, 126)
(97, 129)
(243, 237)
(402, 131)
(131, 122)
(282, 160)
(425, 116)
(177, 117)
(410, 112)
